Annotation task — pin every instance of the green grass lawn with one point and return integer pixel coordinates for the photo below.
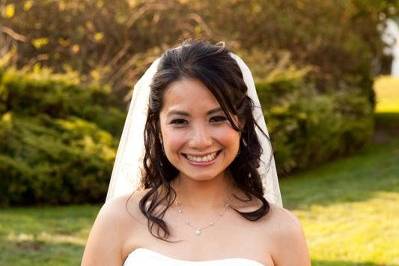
(349, 210)
(44, 236)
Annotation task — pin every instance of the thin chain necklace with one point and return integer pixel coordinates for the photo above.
(198, 229)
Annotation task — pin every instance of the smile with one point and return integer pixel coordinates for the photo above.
(202, 158)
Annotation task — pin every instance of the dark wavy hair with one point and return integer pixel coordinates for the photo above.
(219, 72)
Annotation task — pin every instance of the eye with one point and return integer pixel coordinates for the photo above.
(218, 118)
(178, 122)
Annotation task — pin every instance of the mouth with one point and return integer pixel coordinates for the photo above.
(202, 159)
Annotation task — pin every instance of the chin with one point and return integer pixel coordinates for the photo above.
(201, 178)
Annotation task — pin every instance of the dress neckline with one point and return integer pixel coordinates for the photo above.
(149, 251)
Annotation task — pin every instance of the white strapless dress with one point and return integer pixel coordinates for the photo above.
(147, 257)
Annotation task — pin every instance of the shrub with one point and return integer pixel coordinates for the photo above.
(308, 127)
(59, 96)
(57, 138)
(53, 160)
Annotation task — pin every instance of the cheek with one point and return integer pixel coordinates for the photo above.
(173, 140)
(229, 138)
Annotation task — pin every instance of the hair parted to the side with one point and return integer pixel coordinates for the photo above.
(220, 73)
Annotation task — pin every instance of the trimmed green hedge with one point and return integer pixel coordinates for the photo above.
(57, 139)
(53, 160)
(57, 95)
(307, 127)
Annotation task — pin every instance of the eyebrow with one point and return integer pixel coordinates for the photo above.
(177, 112)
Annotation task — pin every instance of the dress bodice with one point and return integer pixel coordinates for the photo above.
(143, 256)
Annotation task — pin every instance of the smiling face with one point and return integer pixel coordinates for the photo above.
(197, 137)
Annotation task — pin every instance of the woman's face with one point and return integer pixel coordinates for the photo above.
(197, 136)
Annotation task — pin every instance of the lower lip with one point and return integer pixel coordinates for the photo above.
(203, 163)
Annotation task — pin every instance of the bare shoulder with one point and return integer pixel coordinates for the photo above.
(284, 219)
(108, 233)
(286, 233)
(124, 210)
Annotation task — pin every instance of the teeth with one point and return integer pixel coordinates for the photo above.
(205, 158)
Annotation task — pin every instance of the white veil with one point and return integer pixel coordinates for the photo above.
(126, 173)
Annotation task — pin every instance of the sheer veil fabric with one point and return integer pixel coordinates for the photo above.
(127, 170)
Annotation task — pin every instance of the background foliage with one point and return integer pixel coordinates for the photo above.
(57, 143)
(308, 128)
(113, 41)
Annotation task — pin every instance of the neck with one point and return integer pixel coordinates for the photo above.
(208, 194)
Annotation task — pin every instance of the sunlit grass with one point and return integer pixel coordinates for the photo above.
(349, 208)
(387, 93)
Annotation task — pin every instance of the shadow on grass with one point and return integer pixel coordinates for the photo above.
(346, 263)
(30, 252)
(387, 120)
(357, 178)
(44, 235)
(386, 127)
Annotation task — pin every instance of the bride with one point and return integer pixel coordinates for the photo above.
(206, 190)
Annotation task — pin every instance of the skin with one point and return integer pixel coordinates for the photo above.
(275, 239)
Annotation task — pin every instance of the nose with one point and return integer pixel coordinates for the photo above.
(201, 137)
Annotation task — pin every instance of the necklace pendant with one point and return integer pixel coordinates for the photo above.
(198, 232)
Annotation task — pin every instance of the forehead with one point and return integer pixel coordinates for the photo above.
(188, 94)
